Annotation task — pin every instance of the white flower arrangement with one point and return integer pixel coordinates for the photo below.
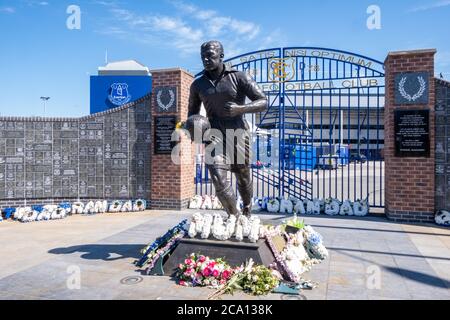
(321, 204)
(207, 204)
(346, 208)
(115, 206)
(89, 208)
(254, 229)
(442, 218)
(195, 202)
(191, 231)
(101, 206)
(239, 232)
(256, 204)
(294, 200)
(127, 206)
(332, 207)
(273, 205)
(216, 204)
(241, 227)
(361, 208)
(139, 205)
(313, 207)
(246, 225)
(20, 212)
(230, 226)
(58, 213)
(218, 228)
(314, 244)
(299, 207)
(199, 221)
(206, 231)
(52, 212)
(286, 206)
(48, 211)
(196, 224)
(294, 259)
(28, 215)
(77, 207)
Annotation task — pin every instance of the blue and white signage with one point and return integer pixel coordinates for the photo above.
(119, 94)
(109, 92)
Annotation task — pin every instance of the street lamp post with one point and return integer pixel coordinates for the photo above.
(45, 99)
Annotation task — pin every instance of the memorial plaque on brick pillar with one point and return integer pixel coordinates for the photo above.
(410, 136)
(172, 182)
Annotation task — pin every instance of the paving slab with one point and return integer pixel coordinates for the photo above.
(413, 260)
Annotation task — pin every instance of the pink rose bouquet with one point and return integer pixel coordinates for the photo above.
(199, 270)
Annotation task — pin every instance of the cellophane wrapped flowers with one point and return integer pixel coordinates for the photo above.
(199, 270)
(259, 281)
(252, 279)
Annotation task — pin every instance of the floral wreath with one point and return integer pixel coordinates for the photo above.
(417, 95)
(161, 104)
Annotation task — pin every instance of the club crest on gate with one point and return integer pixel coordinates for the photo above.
(281, 69)
(119, 94)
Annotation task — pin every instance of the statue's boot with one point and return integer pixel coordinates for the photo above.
(224, 191)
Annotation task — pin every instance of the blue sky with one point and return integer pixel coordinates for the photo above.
(41, 56)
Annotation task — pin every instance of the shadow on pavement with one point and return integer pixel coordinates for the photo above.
(105, 252)
(420, 277)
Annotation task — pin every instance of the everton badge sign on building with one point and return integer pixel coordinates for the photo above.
(119, 94)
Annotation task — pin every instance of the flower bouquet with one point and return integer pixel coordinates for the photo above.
(294, 225)
(273, 205)
(199, 270)
(256, 280)
(314, 244)
(361, 208)
(259, 281)
(150, 251)
(346, 209)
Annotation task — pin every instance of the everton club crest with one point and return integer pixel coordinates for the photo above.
(166, 99)
(281, 69)
(119, 94)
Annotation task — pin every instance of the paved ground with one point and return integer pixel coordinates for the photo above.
(42, 260)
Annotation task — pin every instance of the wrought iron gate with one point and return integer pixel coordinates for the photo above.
(322, 135)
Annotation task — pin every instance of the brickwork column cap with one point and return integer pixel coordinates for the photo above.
(171, 70)
(410, 52)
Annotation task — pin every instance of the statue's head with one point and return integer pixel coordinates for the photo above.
(212, 55)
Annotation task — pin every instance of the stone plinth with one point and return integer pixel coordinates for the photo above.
(234, 252)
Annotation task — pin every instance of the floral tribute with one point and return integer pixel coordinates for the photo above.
(303, 250)
(252, 279)
(199, 270)
(154, 250)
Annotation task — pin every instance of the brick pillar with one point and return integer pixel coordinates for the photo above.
(172, 185)
(409, 184)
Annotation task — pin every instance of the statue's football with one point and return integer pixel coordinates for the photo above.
(197, 125)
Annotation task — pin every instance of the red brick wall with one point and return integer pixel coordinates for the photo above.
(173, 184)
(409, 184)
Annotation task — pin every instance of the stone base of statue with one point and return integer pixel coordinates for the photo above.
(234, 252)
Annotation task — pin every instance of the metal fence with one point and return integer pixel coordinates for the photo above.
(322, 135)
